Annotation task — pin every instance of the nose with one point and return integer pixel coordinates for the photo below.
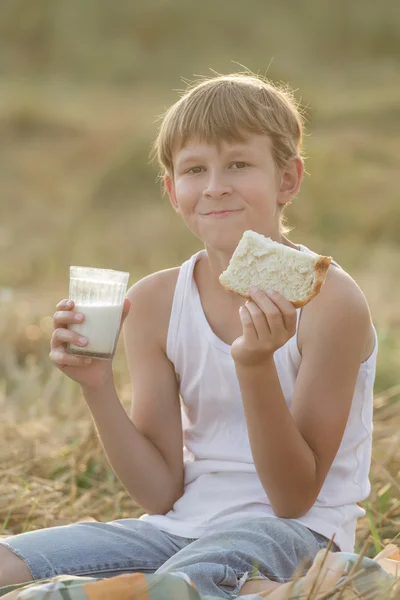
(216, 187)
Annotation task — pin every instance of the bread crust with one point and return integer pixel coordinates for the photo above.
(320, 270)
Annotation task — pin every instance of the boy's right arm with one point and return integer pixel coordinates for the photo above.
(146, 450)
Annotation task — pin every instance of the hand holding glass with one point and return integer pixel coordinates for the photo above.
(99, 295)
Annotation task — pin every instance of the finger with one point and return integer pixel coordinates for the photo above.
(125, 310)
(259, 320)
(66, 304)
(271, 310)
(65, 317)
(275, 321)
(61, 359)
(62, 336)
(249, 332)
(287, 309)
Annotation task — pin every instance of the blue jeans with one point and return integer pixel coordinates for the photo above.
(217, 563)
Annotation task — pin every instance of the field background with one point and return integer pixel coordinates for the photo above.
(82, 87)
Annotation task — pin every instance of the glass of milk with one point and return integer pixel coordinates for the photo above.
(98, 294)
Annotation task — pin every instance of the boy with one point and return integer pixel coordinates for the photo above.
(275, 418)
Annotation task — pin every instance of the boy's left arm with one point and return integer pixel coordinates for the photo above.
(293, 450)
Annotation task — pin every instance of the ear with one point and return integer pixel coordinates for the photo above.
(291, 179)
(169, 186)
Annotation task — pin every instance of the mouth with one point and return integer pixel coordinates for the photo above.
(221, 213)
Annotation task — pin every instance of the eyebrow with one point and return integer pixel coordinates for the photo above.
(194, 157)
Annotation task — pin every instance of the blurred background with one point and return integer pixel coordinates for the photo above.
(82, 89)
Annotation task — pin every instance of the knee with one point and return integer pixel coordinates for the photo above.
(13, 570)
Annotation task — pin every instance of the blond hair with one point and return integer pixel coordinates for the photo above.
(224, 107)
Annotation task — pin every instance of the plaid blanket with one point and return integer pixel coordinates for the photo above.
(178, 586)
(137, 586)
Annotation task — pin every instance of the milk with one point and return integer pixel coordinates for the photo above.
(100, 327)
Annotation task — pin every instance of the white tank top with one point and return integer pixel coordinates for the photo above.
(221, 482)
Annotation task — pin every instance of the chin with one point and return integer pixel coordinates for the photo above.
(223, 242)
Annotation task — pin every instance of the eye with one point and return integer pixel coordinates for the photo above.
(194, 170)
(240, 165)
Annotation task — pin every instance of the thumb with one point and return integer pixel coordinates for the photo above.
(125, 310)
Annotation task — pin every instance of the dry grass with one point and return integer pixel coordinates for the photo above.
(53, 470)
(76, 188)
(82, 173)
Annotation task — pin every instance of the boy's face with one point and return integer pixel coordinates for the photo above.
(239, 177)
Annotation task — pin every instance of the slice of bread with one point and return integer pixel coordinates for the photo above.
(268, 265)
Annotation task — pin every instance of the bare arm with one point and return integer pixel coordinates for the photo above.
(293, 451)
(145, 451)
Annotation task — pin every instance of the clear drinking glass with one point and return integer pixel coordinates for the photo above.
(99, 294)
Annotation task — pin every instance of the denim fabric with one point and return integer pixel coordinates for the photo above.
(217, 563)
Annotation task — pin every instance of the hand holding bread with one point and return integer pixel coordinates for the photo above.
(261, 262)
(276, 279)
(268, 321)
